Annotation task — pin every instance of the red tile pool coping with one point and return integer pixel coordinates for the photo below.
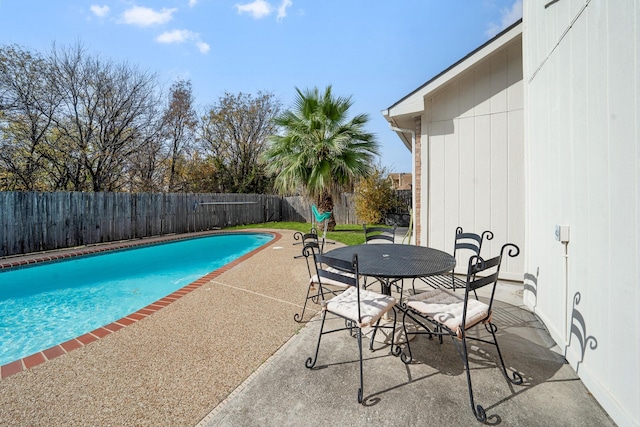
(75, 343)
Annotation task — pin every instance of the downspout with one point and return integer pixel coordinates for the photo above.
(413, 175)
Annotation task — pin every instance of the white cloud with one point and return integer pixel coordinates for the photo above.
(509, 16)
(282, 10)
(258, 9)
(176, 36)
(203, 47)
(100, 11)
(193, 3)
(144, 16)
(182, 36)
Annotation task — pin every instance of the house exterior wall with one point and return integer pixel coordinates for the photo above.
(582, 87)
(471, 158)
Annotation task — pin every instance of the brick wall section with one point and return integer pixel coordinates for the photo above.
(417, 215)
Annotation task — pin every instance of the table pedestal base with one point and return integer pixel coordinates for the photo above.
(383, 335)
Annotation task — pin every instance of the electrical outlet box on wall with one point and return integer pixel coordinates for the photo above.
(562, 233)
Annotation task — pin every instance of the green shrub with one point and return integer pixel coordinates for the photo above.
(375, 196)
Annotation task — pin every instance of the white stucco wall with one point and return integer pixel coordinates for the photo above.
(581, 74)
(473, 144)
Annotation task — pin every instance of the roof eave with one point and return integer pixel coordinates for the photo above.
(413, 103)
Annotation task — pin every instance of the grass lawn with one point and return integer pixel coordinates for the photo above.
(347, 234)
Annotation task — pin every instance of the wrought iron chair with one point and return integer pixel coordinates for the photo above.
(327, 286)
(385, 234)
(359, 308)
(442, 312)
(304, 238)
(463, 242)
(378, 234)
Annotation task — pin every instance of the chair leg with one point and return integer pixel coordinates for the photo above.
(373, 335)
(299, 316)
(320, 295)
(401, 302)
(478, 411)
(515, 378)
(348, 324)
(393, 329)
(403, 356)
(361, 389)
(311, 361)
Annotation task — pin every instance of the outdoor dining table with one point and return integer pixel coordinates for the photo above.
(390, 263)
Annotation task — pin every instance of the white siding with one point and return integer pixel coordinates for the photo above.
(473, 131)
(583, 170)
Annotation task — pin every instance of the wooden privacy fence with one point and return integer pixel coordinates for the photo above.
(35, 222)
(298, 208)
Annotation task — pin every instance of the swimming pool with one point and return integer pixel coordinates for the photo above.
(50, 303)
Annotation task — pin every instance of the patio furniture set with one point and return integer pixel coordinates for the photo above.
(341, 280)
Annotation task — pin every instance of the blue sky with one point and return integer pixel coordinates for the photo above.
(375, 51)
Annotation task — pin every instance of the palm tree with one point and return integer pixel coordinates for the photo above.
(320, 150)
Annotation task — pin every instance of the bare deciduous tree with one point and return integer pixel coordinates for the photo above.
(234, 133)
(180, 120)
(147, 166)
(104, 107)
(26, 115)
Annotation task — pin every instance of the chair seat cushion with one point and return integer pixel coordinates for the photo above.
(327, 281)
(372, 306)
(446, 308)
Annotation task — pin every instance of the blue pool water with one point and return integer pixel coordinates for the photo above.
(51, 303)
